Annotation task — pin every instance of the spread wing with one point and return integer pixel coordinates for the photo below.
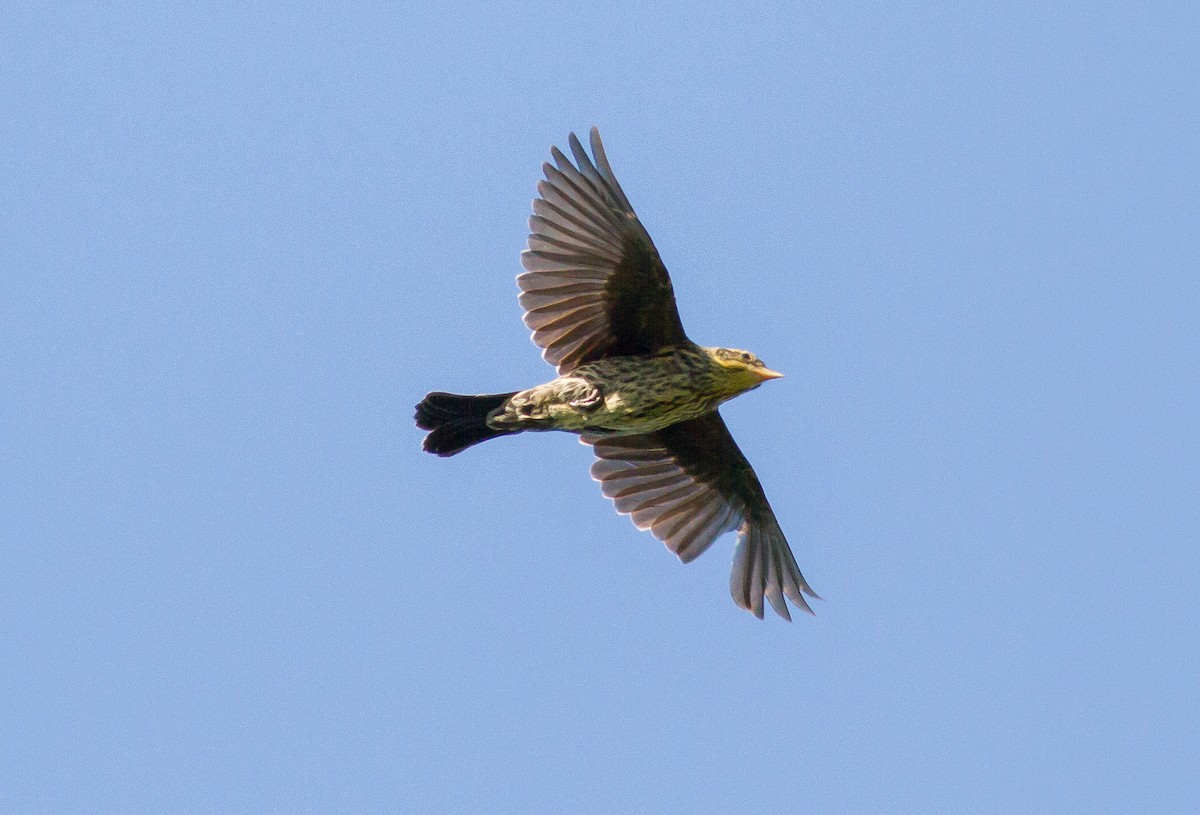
(688, 484)
(594, 286)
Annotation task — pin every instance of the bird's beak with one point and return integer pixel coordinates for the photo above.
(766, 373)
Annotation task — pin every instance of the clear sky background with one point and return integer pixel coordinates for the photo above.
(239, 241)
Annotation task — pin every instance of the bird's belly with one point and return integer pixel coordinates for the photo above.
(620, 415)
(619, 396)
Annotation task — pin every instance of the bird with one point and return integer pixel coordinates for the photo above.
(630, 383)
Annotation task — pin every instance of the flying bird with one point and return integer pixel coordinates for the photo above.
(631, 384)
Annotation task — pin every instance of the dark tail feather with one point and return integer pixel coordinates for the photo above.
(456, 422)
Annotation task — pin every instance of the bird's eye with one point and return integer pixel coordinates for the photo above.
(746, 357)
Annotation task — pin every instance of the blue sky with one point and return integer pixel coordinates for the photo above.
(240, 241)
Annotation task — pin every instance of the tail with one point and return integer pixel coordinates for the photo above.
(456, 422)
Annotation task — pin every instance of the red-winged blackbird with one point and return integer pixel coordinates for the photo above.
(631, 383)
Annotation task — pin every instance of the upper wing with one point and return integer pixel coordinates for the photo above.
(595, 286)
(688, 484)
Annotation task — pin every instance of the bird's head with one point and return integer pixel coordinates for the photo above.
(741, 369)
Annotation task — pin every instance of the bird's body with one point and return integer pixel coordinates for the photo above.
(630, 383)
(629, 395)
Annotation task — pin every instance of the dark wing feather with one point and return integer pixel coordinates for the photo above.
(688, 484)
(594, 286)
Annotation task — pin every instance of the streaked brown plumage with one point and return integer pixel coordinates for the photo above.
(644, 396)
